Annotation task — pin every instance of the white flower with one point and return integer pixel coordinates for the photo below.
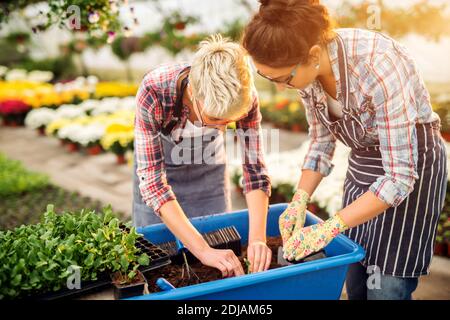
(16, 74)
(106, 105)
(40, 76)
(88, 134)
(40, 117)
(69, 111)
(69, 132)
(89, 105)
(127, 103)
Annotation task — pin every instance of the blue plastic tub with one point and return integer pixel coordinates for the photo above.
(320, 279)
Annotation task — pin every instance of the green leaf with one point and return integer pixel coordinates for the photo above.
(124, 262)
(144, 259)
(89, 261)
(131, 275)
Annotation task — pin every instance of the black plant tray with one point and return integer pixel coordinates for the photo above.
(158, 258)
(224, 238)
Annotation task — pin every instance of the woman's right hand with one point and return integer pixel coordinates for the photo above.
(225, 260)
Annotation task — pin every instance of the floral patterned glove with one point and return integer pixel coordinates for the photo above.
(293, 218)
(313, 238)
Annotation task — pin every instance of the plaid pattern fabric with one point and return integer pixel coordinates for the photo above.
(389, 96)
(155, 102)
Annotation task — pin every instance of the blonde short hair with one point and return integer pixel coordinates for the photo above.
(221, 79)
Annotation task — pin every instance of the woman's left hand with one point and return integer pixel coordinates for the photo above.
(313, 238)
(259, 256)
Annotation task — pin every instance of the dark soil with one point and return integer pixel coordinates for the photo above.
(172, 273)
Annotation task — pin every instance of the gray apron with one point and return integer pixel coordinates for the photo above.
(201, 188)
(399, 242)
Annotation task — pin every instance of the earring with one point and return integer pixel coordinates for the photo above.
(317, 66)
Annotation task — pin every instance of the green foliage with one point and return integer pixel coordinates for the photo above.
(37, 258)
(15, 179)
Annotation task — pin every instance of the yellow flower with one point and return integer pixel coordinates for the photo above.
(115, 89)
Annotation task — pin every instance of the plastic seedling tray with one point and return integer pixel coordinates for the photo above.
(223, 238)
(158, 258)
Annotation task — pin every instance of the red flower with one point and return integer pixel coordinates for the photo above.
(13, 107)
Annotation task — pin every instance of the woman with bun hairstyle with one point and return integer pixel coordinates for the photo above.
(180, 162)
(362, 88)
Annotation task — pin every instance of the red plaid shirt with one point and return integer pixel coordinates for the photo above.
(155, 102)
(391, 97)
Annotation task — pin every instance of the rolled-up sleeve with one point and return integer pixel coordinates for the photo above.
(254, 169)
(322, 145)
(149, 152)
(392, 97)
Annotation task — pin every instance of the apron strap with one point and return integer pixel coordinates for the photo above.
(177, 110)
(343, 73)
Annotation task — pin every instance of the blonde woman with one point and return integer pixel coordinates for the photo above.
(180, 166)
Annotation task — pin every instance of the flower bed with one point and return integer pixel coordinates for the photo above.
(284, 113)
(21, 93)
(284, 171)
(93, 126)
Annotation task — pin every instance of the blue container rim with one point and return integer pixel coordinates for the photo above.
(355, 254)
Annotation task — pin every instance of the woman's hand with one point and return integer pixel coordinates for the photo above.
(313, 238)
(259, 255)
(293, 218)
(224, 260)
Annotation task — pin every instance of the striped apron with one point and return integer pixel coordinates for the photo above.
(400, 241)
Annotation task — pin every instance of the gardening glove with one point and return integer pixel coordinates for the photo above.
(308, 240)
(293, 218)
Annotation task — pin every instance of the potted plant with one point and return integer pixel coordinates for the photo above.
(128, 281)
(126, 286)
(440, 246)
(446, 235)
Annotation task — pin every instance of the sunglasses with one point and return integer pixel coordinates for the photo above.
(286, 82)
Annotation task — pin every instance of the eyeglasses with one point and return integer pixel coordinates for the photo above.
(219, 125)
(286, 82)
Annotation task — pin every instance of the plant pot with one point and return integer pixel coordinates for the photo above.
(94, 150)
(440, 249)
(448, 249)
(72, 147)
(121, 159)
(446, 136)
(136, 288)
(41, 131)
(296, 128)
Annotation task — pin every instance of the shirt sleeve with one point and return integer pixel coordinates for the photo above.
(322, 144)
(149, 151)
(392, 98)
(254, 168)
